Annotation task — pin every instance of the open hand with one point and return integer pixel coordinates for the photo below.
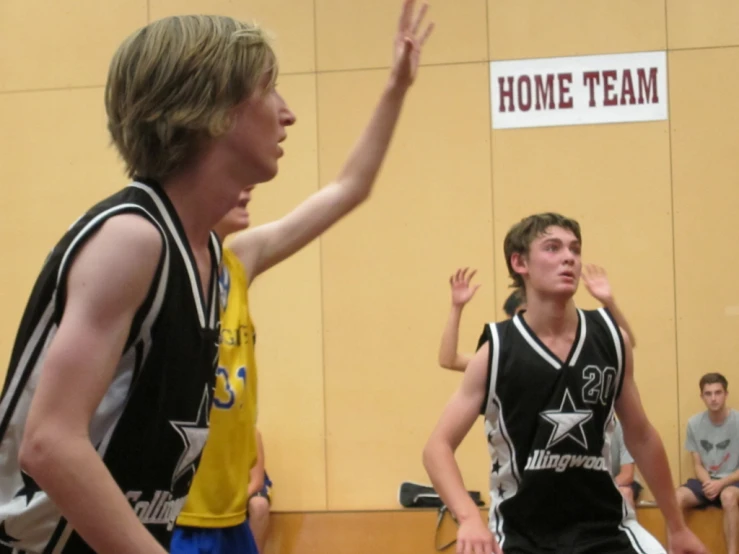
(596, 281)
(462, 292)
(408, 43)
(473, 537)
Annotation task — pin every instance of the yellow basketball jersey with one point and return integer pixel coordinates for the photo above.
(218, 492)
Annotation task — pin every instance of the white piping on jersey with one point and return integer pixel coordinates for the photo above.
(494, 361)
(619, 361)
(197, 294)
(120, 386)
(581, 342)
(42, 516)
(83, 233)
(10, 445)
(36, 336)
(642, 541)
(501, 446)
(215, 314)
(110, 409)
(556, 364)
(616, 341)
(63, 538)
(156, 306)
(535, 345)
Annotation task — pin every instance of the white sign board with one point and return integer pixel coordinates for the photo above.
(612, 88)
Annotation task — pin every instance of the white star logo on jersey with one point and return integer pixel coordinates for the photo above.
(568, 422)
(193, 435)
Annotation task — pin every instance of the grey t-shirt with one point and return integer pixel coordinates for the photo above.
(619, 454)
(717, 445)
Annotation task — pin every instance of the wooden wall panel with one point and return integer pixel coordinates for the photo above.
(359, 35)
(51, 44)
(521, 29)
(704, 131)
(385, 279)
(705, 24)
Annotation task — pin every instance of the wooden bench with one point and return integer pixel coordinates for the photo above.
(707, 524)
(412, 531)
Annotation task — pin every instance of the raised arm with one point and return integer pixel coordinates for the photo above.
(107, 282)
(596, 281)
(645, 445)
(462, 292)
(438, 456)
(264, 246)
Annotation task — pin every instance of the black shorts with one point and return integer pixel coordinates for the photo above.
(697, 489)
(628, 538)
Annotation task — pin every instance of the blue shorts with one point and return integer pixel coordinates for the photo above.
(229, 540)
(696, 488)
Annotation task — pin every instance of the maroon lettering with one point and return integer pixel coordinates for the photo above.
(647, 87)
(627, 88)
(565, 99)
(609, 98)
(524, 93)
(506, 93)
(544, 92)
(591, 78)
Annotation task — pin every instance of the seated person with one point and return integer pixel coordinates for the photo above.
(713, 441)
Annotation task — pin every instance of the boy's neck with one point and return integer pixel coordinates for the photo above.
(551, 316)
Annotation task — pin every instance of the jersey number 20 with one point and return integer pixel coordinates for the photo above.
(599, 384)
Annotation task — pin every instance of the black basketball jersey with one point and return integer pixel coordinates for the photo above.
(548, 427)
(153, 421)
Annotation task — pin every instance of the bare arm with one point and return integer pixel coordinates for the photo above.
(626, 476)
(620, 319)
(106, 284)
(645, 445)
(449, 356)
(438, 457)
(731, 478)
(267, 245)
(462, 292)
(596, 281)
(455, 422)
(700, 472)
(256, 475)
